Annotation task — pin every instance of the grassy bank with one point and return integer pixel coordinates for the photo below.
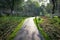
(9, 26)
(52, 27)
(40, 28)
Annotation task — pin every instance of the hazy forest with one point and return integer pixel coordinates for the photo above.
(29, 19)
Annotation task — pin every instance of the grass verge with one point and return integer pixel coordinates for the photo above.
(13, 34)
(41, 30)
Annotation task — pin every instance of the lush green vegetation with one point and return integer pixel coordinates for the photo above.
(53, 27)
(40, 20)
(9, 26)
(49, 27)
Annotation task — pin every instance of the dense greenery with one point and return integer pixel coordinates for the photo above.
(10, 23)
(49, 27)
(9, 26)
(40, 20)
(8, 7)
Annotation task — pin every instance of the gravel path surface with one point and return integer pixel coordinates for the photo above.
(29, 31)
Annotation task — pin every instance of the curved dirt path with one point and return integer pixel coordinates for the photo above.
(29, 31)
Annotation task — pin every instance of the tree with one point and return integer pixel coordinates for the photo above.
(53, 2)
(56, 7)
(9, 5)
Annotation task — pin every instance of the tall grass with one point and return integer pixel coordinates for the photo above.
(9, 26)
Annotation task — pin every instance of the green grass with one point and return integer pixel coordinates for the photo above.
(41, 30)
(15, 31)
(11, 23)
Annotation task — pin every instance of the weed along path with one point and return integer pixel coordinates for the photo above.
(29, 31)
